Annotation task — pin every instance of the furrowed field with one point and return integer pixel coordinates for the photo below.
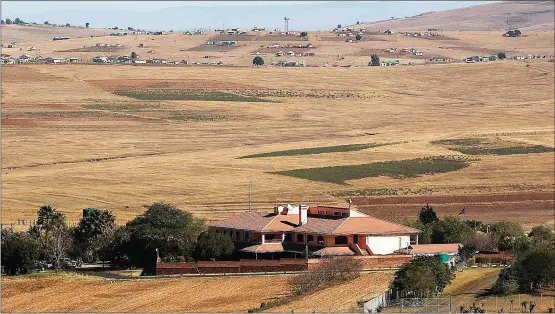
(116, 136)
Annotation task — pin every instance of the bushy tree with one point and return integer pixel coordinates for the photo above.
(133, 55)
(374, 60)
(358, 22)
(87, 25)
(17, 21)
(54, 234)
(481, 241)
(542, 234)
(450, 230)
(409, 277)
(427, 214)
(46, 23)
(9, 21)
(94, 231)
(508, 234)
(303, 34)
(338, 25)
(20, 252)
(68, 25)
(2, 22)
(211, 244)
(258, 61)
(501, 56)
(164, 227)
(535, 268)
(358, 37)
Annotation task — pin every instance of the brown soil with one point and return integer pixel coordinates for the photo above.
(530, 208)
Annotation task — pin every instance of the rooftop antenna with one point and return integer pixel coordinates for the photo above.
(286, 24)
(250, 189)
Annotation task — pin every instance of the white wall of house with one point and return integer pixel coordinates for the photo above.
(387, 245)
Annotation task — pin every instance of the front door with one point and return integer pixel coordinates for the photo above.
(355, 239)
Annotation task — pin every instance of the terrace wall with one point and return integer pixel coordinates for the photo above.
(282, 265)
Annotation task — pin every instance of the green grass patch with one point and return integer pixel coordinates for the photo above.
(516, 150)
(169, 94)
(482, 146)
(383, 192)
(398, 169)
(122, 107)
(318, 150)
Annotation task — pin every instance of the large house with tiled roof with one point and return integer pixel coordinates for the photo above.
(320, 231)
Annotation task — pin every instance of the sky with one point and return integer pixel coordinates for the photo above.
(187, 15)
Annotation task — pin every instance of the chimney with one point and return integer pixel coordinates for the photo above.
(303, 214)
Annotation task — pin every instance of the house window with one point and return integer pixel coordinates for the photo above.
(247, 236)
(341, 240)
(237, 235)
(269, 237)
(300, 237)
(309, 238)
(320, 239)
(328, 213)
(288, 237)
(337, 214)
(321, 213)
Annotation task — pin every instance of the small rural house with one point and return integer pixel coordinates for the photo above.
(319, 230)
(447, 252)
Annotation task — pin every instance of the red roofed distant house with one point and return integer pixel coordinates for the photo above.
(323, 231)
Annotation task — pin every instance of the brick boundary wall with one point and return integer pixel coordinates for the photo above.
(282, 265)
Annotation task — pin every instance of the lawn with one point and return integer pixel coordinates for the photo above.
(182, 94)
(397, 169)
(317, 150)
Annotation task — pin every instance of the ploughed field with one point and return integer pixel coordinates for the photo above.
(393, 139)
(74, 293)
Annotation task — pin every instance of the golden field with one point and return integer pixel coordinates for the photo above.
(72, 293)
(64, 144)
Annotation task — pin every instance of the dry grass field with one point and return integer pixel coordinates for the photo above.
(72, 293)
(69, 140)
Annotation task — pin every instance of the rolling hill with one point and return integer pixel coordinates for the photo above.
(525, 15)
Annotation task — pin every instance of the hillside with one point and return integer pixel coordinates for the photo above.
(525, 15)
(41, 33)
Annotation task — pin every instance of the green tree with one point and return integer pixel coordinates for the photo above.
(46, 23)
(508, 234)
(93, 232)
(258, 61)
(501, 56)
(338, 25)
(211, 244)
(68, 25)
(133, 55)
(535, 268)
(358, 22)
(374, 60)
(303, 34)
(20, 251)
(427, 214)
(542, 234)
(17, 21)
(87, 25)
(164, 227)
(9, 21)
(358, 37)
(409, 277)
(450, 230)
(2, 22)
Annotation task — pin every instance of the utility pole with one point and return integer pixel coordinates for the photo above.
(250, 190)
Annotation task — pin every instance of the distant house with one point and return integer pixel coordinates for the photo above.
(100, 60)
(256, 29)
(12, 45)
(139, 61)
(290, 53)
(447, 252)
(60, 38)
(417, 53)
(56, 60)
(74, 60)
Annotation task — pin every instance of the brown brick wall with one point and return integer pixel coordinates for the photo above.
(252, 266)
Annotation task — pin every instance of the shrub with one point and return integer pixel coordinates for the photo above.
(329, 270)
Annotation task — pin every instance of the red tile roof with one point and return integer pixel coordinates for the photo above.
(269, 222)
(371, 225)
(264, 248)
(334, 251)
(434, 248)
